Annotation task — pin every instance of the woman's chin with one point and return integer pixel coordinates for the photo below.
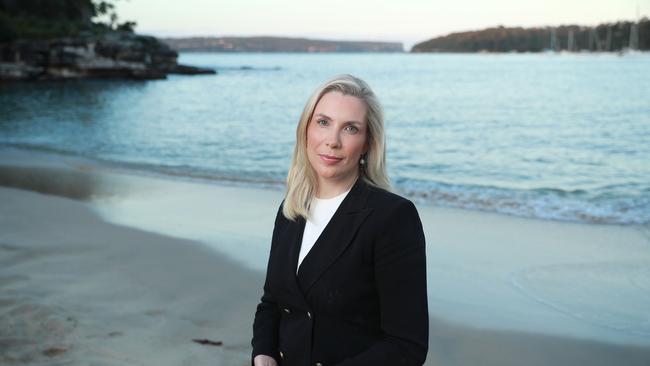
(334, 176)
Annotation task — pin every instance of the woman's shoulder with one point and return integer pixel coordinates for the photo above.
(385, 200)
(392, 213)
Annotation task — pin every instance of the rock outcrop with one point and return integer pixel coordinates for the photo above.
(109, 55)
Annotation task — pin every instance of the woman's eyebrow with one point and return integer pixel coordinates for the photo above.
(322, 115)
(328, 117)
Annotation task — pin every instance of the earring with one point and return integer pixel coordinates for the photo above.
(362, 161)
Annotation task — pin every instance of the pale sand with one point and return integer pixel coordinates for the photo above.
(75, 289)
(95, 293)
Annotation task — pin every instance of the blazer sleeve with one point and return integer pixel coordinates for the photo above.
(400, 275)
(267, 315)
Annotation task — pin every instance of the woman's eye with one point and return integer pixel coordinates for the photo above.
(321, 122)
(351, 129)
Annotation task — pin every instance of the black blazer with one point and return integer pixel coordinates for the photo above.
(360, 297)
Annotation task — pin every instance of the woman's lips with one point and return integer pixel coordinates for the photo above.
(329, 159)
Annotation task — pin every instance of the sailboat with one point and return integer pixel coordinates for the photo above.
(555, 44)
(633, 45)
(571, 47)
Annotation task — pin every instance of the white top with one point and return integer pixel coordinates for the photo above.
(320, 211)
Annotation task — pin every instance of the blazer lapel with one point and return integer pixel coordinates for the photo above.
(334, 239)
(290, 241)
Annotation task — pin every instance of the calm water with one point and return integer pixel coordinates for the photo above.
(547, 136)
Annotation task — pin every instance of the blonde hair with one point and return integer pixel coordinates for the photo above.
(302, 179)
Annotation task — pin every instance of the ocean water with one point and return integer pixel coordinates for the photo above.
(560, 137)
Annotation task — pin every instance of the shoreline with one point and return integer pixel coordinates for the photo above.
(133, 297)
(475, 199)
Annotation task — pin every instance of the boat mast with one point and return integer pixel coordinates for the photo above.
(634, 32)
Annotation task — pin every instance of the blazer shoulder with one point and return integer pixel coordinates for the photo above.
(381, 198)
(281, 220)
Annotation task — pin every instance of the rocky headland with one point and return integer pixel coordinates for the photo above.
(91, 56)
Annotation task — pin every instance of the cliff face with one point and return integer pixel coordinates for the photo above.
(109, 55)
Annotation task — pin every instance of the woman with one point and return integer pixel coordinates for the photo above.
(346, 277)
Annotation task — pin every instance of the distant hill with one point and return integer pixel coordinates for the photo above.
(276, 44)
(604, 37)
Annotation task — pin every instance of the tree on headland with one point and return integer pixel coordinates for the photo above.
(107, 8)
(41, 19)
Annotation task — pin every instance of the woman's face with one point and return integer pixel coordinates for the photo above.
(336, 138)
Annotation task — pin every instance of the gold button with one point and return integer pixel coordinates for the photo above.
(286, 310)
(281, 355)
(309, 315)
(318, 364)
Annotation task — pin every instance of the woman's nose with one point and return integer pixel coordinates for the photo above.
(333, 140)
(333, 143)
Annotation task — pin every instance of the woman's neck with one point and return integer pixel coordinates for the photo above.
(328, 189)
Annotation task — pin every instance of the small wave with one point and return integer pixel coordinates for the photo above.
(41, 148)
(181, 172)
(544, 203)
(560, 192)
(190, 173)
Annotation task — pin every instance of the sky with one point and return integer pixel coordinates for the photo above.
(406, 21)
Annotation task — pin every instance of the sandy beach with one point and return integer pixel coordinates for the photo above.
(78, 290)
(107, 268)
